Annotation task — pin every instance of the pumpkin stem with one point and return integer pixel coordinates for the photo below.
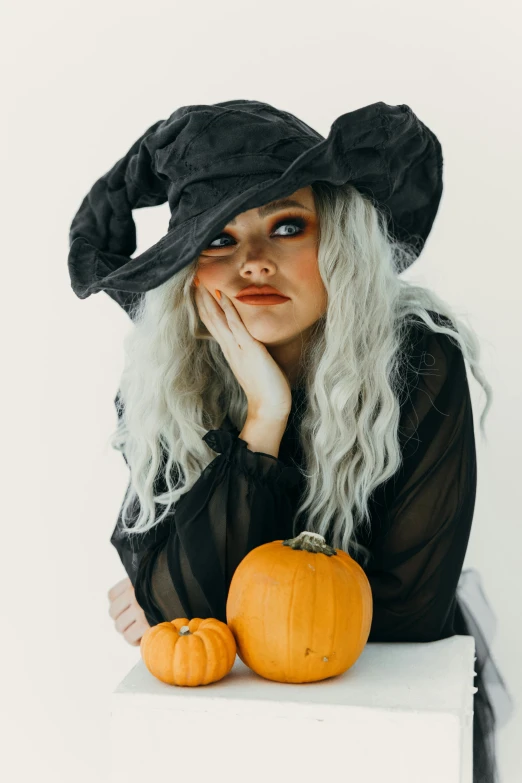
(184, 630)
(310, 542)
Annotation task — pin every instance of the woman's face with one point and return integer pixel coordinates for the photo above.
(275, 246)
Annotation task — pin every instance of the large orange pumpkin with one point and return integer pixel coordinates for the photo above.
(189, 652)
(300, 610)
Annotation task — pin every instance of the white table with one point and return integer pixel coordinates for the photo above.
(403, 713)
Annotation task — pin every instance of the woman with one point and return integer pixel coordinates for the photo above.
(342, 407)
(356, 373)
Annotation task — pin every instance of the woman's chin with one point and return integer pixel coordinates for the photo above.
(270, 337)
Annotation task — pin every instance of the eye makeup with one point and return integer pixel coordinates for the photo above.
(291, 218)
(296, 220)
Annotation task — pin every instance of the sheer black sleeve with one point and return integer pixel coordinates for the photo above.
(419, 546)
(183, 567)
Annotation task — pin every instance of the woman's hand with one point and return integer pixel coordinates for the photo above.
(266, 386)
(129, 618)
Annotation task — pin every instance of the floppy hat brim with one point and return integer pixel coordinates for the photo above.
(356, 150)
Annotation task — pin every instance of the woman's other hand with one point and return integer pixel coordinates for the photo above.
(129, 618)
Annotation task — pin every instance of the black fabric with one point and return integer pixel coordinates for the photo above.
(421, 523)
(212, 162)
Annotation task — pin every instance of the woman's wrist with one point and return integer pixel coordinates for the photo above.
(264, 432)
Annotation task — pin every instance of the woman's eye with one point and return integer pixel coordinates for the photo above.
(221, 236)
(294, 223)
(297, 222)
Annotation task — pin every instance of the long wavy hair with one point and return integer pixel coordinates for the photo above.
(176, 383)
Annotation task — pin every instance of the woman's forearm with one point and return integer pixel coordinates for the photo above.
(263, 433)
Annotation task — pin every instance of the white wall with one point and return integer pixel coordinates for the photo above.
(81, 81)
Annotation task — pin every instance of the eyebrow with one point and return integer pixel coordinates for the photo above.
(275, 206)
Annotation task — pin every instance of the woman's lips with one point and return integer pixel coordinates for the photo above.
(263, 299)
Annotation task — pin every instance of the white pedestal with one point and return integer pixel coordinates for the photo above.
(403, 713)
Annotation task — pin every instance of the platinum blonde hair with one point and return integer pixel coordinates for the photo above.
(176, 383)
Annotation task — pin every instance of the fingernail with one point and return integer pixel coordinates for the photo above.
(196, 281)
(218, 293)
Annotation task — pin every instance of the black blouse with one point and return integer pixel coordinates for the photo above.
(420, 520)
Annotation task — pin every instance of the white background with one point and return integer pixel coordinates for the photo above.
(80, 83)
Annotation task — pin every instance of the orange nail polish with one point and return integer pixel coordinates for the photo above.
(218, 293)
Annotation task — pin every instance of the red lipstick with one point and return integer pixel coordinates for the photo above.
(261, 295)
(263, 299)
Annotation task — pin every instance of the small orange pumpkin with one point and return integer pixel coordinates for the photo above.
(189, 652)
(300, 610)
